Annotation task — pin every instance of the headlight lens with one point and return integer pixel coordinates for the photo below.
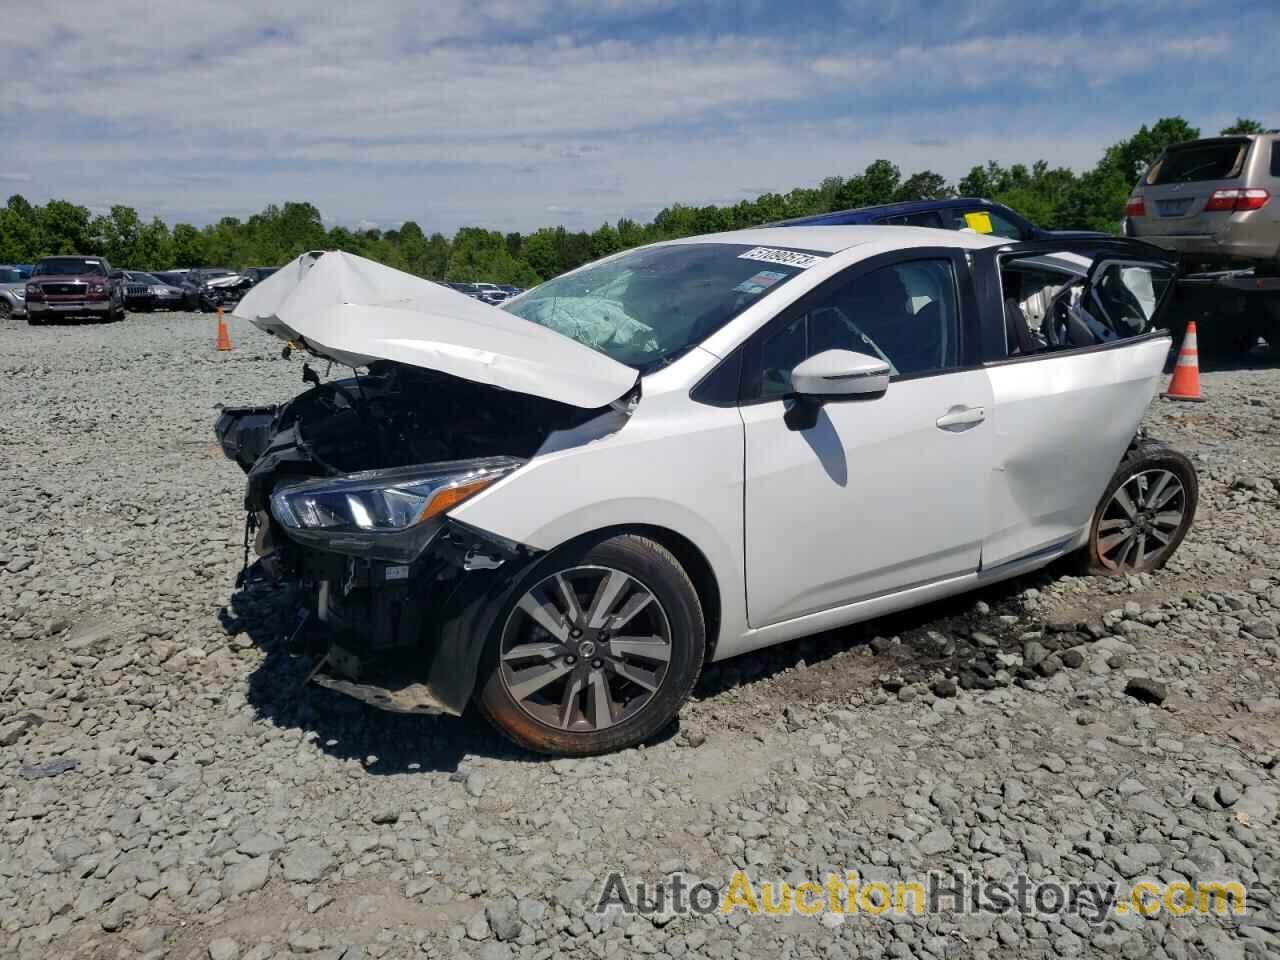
(159, 291)
(19, 293)
(388, 514)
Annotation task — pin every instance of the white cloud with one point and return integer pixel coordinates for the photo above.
(511, 112)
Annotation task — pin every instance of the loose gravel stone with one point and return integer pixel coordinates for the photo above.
(1147, 690)
(172, 788)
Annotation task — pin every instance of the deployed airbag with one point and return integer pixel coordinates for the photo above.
(353, 311)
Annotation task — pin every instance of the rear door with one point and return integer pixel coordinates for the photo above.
(1063, 413)
(1178, 186)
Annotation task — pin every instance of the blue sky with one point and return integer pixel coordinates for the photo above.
(515, 114)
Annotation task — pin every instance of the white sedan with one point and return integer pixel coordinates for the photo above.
(563, 508)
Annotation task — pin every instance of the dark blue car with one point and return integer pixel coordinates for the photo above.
(954, 213)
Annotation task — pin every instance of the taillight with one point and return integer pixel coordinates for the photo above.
(1252, 199)
(1136, 207)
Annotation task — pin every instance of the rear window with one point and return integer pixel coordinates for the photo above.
(1275, 158)
(1200, 160)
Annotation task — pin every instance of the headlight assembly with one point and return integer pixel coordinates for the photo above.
(383, 514)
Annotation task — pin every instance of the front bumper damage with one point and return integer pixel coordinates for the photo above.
(405, 637)
(402, 637)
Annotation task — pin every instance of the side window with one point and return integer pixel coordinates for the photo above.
(1275, 158)
(1049, 309)
(985, 220)
(906, 314)
(927, 219)
(1128, 294)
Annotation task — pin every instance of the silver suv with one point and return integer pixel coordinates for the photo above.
(1212, 199)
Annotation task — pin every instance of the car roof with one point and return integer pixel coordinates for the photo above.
(832, 239)
(905, 208)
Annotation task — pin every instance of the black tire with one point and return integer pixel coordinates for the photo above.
(647, 567)
(6, 310)
(1151, 541)
(33, 320)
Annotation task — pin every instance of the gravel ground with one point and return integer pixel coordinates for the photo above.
(168, 789)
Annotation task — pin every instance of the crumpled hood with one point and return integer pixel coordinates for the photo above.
(353, 311)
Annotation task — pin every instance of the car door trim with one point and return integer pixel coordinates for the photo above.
(1079, 351)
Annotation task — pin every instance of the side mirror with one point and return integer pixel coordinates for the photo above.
(835, 374)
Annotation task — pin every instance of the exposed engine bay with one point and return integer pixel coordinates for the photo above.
(393, 611)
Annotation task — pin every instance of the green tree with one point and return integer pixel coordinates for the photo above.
(1129, 158)
(925, 185)
(63, 228)
(188, 246)
(19, 231)
(1243, 125)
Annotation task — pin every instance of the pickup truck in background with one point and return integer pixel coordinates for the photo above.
(74, 286)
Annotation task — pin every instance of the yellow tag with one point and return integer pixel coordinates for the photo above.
(979, 220)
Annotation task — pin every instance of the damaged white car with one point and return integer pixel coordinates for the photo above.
(561, 509)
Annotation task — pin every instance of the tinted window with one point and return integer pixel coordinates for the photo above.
(645, 307)
(928, 219)
(904, 314)
(1275, 158)
(8, 275)
(1201, 160)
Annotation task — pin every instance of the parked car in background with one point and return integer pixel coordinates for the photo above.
(150, 292)
(13, 292)
(692, 450)
(24, 269)
(74, 286)
(1213, 200)
(495, 295)
(258, 274)
(182, 280)
(137, 290)
(224, 291)
(953, 213)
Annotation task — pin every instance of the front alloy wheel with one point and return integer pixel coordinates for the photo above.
(597, 650)
(585, 649)
(1146, 511)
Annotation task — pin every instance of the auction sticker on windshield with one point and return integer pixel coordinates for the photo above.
(760, 282)
(789, 258)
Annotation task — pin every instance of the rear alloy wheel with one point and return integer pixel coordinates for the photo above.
(597, 650)
(6, 310)
(1146, 511)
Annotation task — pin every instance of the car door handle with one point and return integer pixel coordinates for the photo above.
(960, 418)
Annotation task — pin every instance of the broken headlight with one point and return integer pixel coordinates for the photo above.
(383, 514)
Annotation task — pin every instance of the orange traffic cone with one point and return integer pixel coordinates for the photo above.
(224, 340)
(1185, 384)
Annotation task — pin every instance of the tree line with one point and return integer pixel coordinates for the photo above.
(1053, 197)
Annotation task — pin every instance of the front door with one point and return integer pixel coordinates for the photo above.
(870, 495)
